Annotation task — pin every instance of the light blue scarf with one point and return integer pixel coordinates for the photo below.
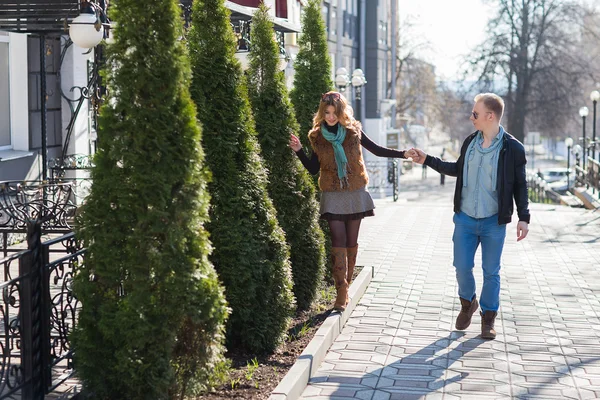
(341, 160)
(476, 145)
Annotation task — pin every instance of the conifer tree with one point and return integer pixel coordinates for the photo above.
(290, 186)
(153, 312)
(312, 69)
(250, 253)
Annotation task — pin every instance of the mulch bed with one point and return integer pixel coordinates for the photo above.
(254, 378)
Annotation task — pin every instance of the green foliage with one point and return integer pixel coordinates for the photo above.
(153, 312)
(290, 186)
(312, 69)
(250, 250)
(312, 79)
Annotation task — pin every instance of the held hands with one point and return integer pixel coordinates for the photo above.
(418, 156)
(294, 143)
(522, 230)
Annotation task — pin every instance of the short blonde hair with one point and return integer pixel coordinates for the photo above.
(492, 102)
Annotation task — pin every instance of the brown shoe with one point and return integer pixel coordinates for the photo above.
(340, 270)
(352, 252)
(487, 324)
(467, 310)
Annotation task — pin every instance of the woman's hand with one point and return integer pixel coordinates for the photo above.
(295, 143)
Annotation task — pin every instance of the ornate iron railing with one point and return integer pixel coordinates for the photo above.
(38, 312)
(54, 204)
(383, 176)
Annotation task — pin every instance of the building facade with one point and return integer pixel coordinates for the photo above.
(63, 124)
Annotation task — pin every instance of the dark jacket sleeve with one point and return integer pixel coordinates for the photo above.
(443, 167)
(450, 168)
(311, 164)
(520, 186)
(378, 150)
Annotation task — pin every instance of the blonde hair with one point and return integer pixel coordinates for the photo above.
(492, 102)
(343, 110)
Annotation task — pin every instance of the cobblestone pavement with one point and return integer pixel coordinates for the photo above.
(399, 343)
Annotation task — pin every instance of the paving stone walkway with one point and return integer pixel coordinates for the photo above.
(399, 343)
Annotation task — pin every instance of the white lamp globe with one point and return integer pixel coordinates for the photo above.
(83, 31)
(358, 81)
(595, 95)
(569, 142)
(358, 72)
(341, 71)
(341, 80)
(583, 112)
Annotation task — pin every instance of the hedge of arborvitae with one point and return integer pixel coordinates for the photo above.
(250, 250)
(153, 311)
(290, 186)
(312, 69)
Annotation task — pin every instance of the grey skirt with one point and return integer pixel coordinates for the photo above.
(346, 205)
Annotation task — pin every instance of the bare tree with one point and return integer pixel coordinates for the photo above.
(415, 78)
(532, 56)
(452, 109)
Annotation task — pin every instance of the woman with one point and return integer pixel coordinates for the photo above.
(336, 139)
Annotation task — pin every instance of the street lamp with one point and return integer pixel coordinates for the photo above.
(569, 144)
(358, 81)
(343, 80)
(583, 113)
(87, 29)
(594, 96)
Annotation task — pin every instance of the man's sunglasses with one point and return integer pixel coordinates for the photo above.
(331, 96)
(475, 114)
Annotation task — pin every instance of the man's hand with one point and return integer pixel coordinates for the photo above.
(522, 230)
(418, 156)
(294, 143)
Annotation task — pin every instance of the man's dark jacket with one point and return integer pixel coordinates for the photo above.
(511, 182)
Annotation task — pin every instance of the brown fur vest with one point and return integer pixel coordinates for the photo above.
(356, 174)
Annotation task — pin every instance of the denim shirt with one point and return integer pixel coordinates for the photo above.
(479, 199)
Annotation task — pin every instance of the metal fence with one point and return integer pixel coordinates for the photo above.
(383, 176)
(38, 312)
(38, 257)
(540, 192)
(54, 204)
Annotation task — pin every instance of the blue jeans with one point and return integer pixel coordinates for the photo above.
(468, 233)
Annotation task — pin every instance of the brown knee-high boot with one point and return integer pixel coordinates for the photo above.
(352, 252)
(340, 269)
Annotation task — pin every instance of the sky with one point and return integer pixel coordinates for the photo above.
(451, 27)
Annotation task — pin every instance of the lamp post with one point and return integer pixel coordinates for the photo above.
(583, 113)
(343, 80)
(577, 151)
(594, 96)
(569, 144)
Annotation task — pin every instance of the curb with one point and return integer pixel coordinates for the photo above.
(295, 381)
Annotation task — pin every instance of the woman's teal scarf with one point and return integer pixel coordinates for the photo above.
(336, 141)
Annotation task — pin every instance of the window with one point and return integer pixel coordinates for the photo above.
(14, 110)
(5, 140)
(333, 20)
(326, 15)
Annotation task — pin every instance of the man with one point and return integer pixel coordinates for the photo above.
(490, 173)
